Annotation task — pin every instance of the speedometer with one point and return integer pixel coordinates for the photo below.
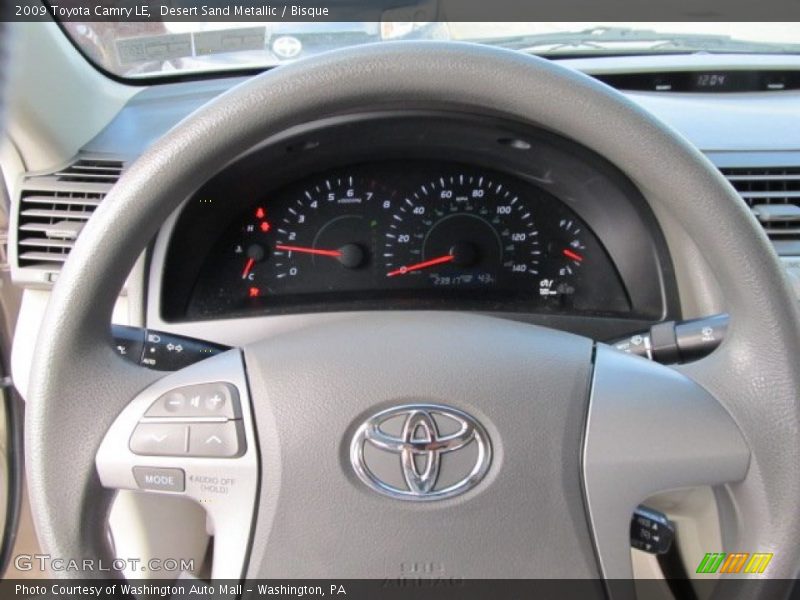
(493, 236)
(463, 230)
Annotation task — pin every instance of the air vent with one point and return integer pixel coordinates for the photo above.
(773, 194)
(53, 209)
(91, 171)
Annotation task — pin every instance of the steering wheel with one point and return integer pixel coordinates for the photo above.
(574, 434)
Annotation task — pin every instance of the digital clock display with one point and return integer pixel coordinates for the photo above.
(711, 80)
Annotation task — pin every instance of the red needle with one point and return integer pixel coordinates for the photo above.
(247, 267)
(570, 254)
(423, 265)
(333, 253)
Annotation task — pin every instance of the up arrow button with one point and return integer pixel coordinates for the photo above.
(216, 440)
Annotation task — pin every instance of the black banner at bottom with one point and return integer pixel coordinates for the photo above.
(398, 589)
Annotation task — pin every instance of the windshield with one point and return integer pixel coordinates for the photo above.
(135, 50)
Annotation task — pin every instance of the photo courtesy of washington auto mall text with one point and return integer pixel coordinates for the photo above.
(177, 590)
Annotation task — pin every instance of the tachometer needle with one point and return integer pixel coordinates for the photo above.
(303, 249)
(422, 265)
(248, 267)
(570, 254)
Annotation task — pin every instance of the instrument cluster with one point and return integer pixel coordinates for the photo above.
(407, 234)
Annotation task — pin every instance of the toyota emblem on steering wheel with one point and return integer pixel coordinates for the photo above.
(441, 452)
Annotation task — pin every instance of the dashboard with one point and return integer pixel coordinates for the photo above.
(417, 211)
(742, 131)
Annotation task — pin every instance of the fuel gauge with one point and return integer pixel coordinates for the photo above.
(566, 253)
(572, 251)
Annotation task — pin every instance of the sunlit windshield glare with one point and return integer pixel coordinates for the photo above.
(152, 49)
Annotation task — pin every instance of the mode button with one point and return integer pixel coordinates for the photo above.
(159, 479)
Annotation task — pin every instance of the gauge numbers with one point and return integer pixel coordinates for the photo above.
(461, 230)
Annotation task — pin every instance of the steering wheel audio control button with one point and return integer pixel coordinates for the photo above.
(160, 479)
(204, 400)
(160, 439)
(216, 440)
(163, 443)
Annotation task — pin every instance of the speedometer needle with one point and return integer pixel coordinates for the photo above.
(304, 249)
(422, 265)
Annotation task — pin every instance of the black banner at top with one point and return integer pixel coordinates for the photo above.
(401, 10)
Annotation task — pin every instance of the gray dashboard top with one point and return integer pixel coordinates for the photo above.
(716, 123)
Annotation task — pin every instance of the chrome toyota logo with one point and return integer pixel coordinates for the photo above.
(420, 452)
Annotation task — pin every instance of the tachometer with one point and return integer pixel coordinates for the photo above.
(309, 238)
(323, 238)
(463, 230)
